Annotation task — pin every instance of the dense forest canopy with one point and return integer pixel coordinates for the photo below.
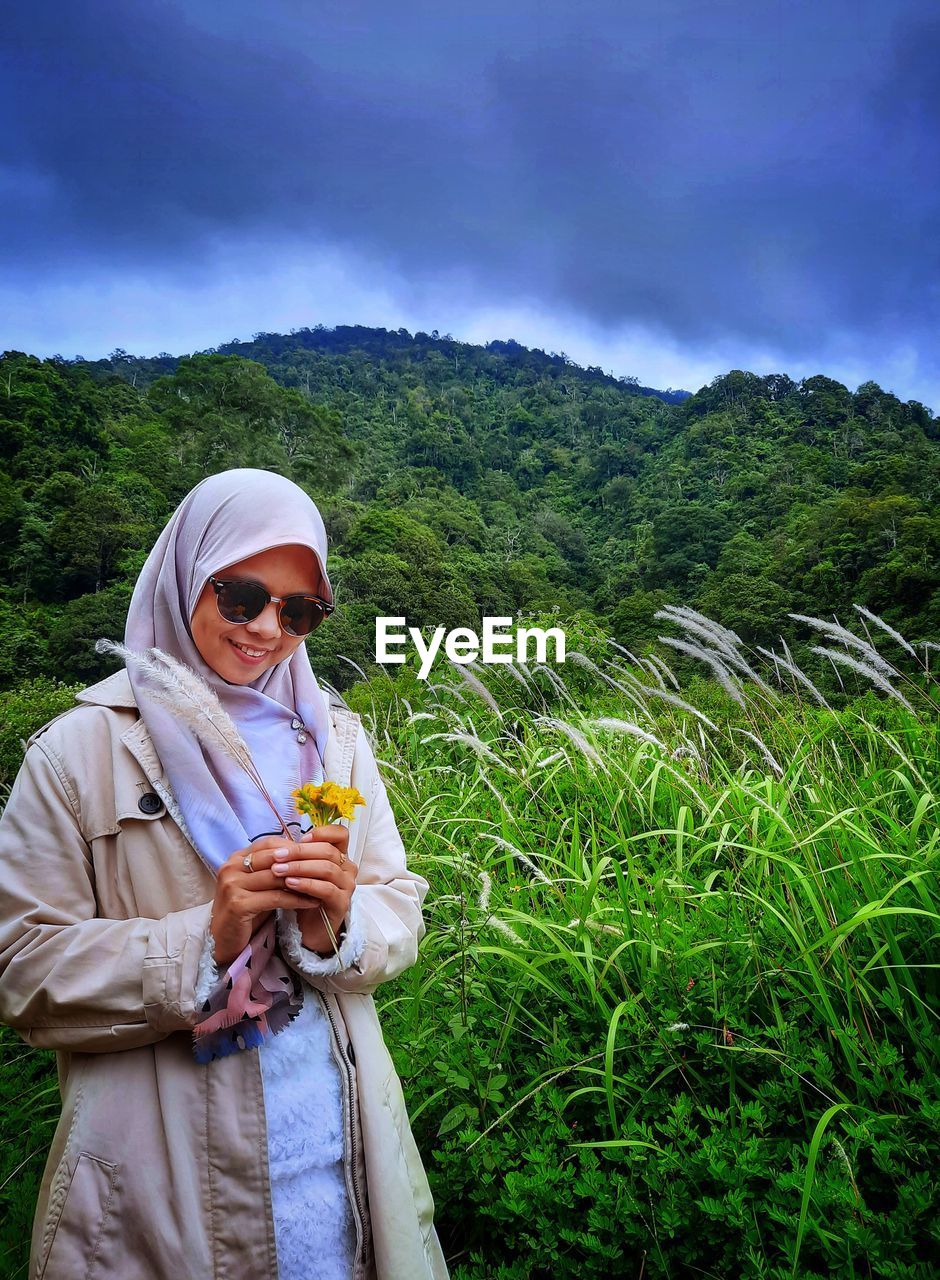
(459, 480)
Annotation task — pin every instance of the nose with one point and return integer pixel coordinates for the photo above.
(267, 625)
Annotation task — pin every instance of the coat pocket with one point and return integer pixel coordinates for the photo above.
(82, 1219)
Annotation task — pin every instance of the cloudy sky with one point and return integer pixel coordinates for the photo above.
(665, 188)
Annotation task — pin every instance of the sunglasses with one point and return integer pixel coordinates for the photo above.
(241, 601)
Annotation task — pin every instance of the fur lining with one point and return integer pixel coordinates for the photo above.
(308, 962)
(207, 974)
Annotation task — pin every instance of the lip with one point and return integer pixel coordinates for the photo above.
(247, 659)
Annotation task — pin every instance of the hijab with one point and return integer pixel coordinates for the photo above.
(282, 717)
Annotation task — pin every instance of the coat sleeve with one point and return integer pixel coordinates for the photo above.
(385, 922)
(69, 979)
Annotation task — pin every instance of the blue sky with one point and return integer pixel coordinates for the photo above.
(666, 189)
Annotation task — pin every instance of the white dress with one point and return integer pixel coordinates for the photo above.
(303, 1102)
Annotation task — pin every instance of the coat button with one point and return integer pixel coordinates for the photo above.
(150, 803)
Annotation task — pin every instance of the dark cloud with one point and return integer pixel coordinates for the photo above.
(709, 170)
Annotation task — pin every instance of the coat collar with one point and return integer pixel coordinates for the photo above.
(114, 691)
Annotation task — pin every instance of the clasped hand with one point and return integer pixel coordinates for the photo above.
(293, 875)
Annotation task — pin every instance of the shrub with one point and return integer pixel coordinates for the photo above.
(25, 709)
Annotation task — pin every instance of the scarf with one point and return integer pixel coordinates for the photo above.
(225, 519)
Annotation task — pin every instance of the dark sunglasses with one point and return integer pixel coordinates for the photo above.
(241, 601)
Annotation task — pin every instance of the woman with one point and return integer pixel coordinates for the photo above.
(229, 1107)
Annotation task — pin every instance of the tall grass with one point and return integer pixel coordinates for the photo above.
(723, 909)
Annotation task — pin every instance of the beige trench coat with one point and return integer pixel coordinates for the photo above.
(158, 1169)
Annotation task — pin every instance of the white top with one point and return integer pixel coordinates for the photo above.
(303, 1103)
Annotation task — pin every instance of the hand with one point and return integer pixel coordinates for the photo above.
(325, 875)
(243, 898)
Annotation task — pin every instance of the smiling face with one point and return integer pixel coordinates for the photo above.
(240, 652)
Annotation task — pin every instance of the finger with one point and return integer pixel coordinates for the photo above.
(256, 889)
(256, 904)
(318, 851)
(332, 833)
(258, 850)
(275, 849)
(310, 869)
(328, 894)
(344, 878)
(273, 841)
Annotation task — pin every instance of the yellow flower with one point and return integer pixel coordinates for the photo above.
(327, 802)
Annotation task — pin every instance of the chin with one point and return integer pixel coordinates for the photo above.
(239, 677)
(232, 673)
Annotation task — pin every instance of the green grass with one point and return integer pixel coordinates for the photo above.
(676, 1010)
(30, 1107)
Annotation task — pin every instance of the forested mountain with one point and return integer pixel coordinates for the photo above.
(458, 480)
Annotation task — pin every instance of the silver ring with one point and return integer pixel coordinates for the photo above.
(246, 861)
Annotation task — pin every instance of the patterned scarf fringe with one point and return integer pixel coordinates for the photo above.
(244, 1033)
(225, 1026)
